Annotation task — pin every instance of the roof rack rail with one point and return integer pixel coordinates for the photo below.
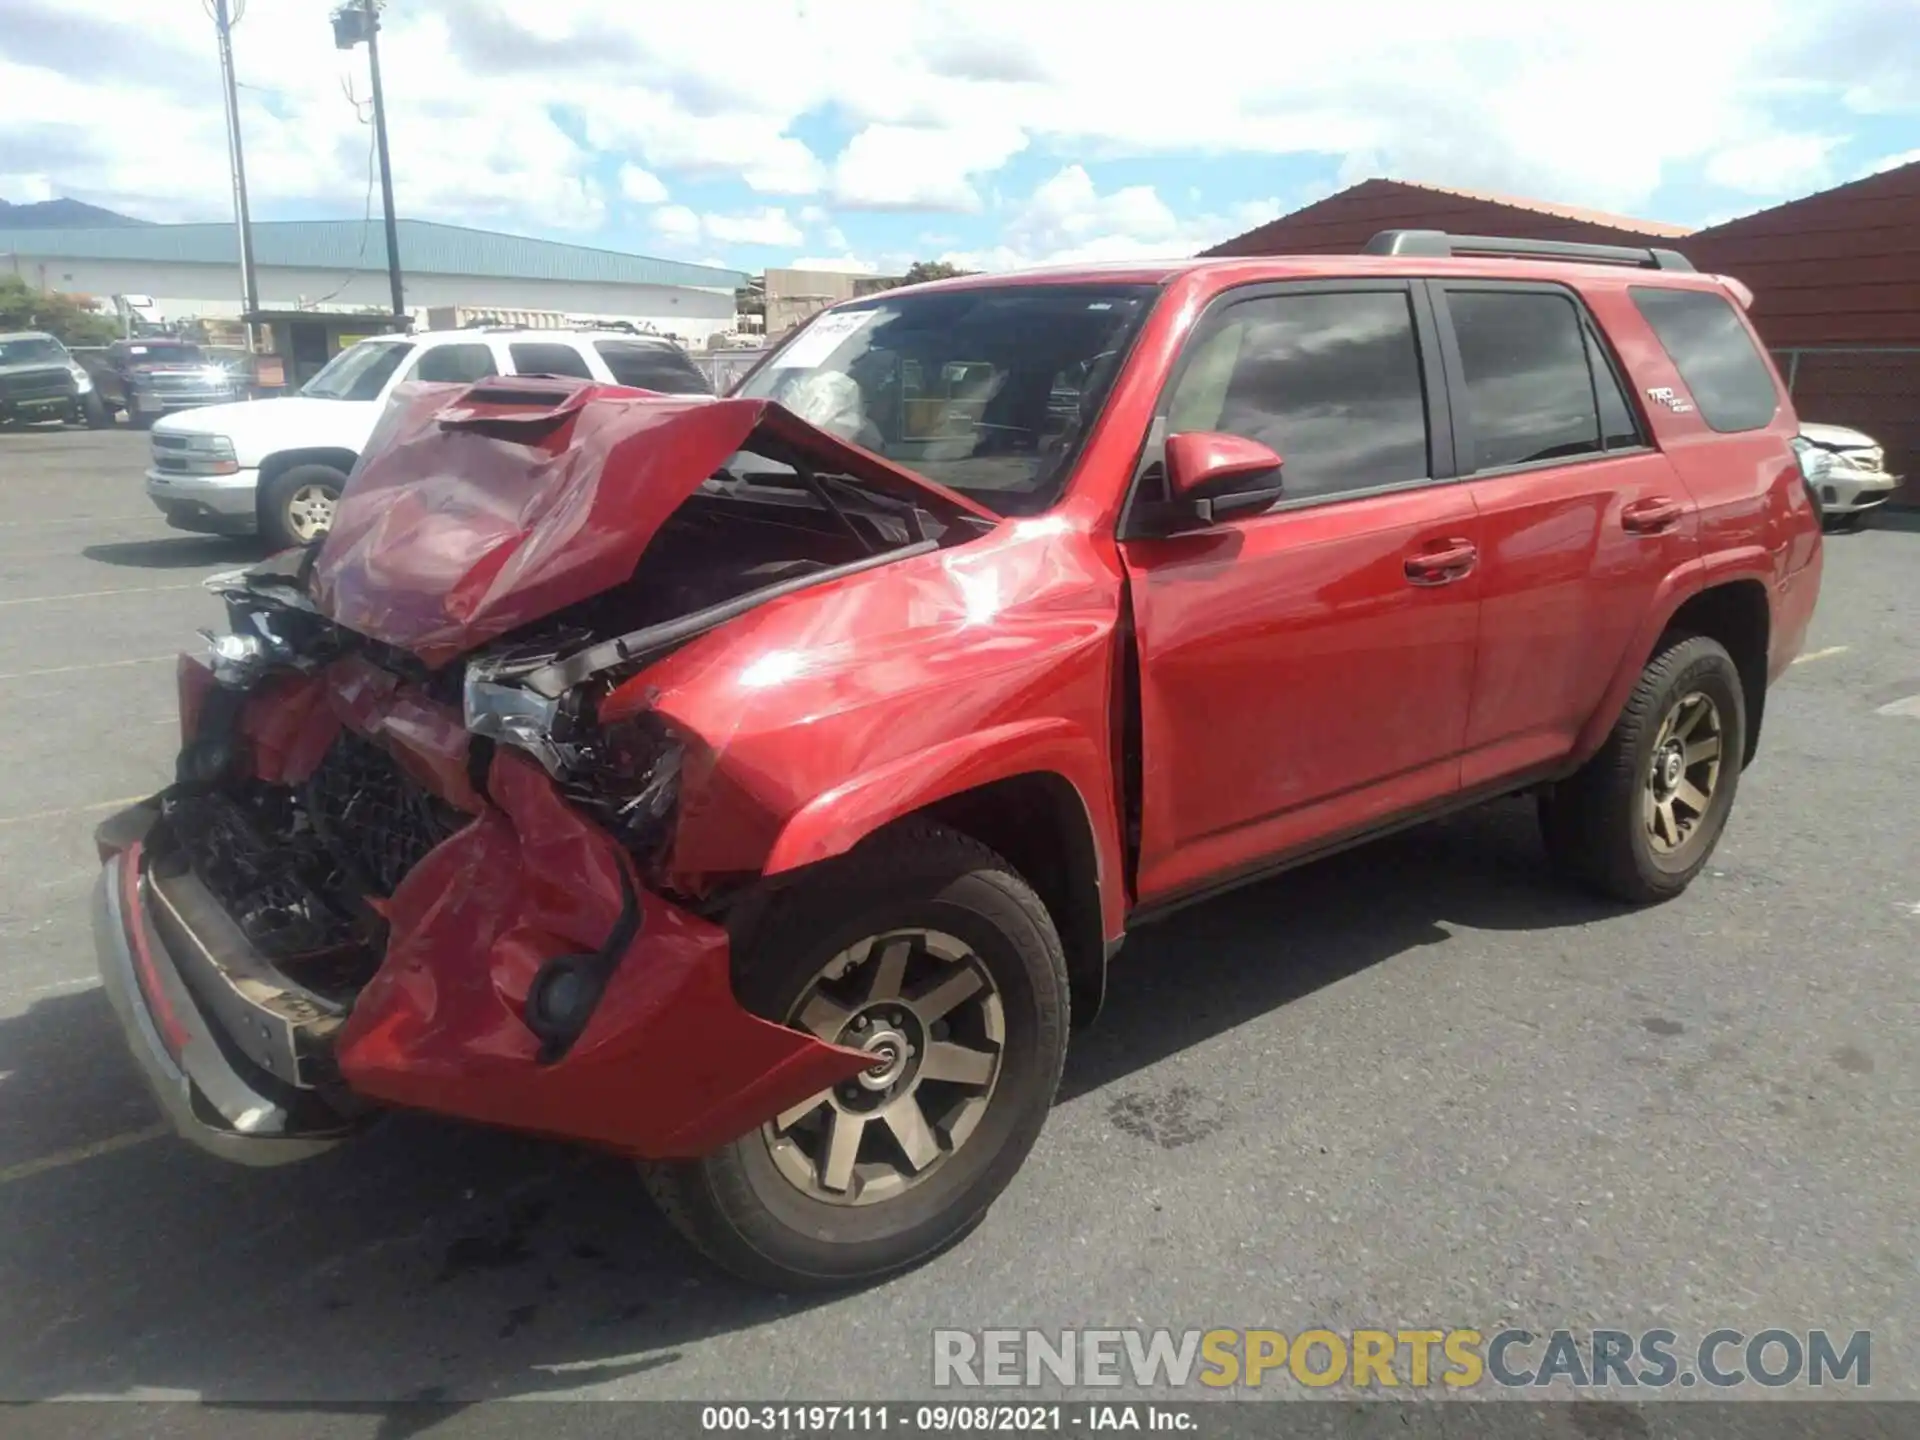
(1437, 244)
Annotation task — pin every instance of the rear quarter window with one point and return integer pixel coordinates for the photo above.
(660, 368)
(1703, 336)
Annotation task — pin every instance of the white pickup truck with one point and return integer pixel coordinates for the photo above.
(275, 467)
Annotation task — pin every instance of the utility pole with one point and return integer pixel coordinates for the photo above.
(353, 23)
(249, 284)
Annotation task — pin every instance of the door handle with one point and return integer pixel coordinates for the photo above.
(1442, 563)
(1648, 517)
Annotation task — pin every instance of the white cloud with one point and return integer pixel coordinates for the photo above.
(504, 114)
(676, 223)
(1067, 219)
(643, 187)
(1775, 165)
(914, 167)
(840, 264)
(1890, 162)
(684, 227)
(766, 227)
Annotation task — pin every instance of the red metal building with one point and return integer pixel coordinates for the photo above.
(1342, 223)
(1836, 282)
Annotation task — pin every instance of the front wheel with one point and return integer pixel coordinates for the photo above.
(1638, 821)
(931, 953)
(296, 506)
(94, 411)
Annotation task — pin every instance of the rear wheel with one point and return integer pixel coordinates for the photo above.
(94, 411)
(1639, 820)
(928, 951)
(296, 506)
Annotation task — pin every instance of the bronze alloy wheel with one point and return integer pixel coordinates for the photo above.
(926, 1008)
(1683, 773)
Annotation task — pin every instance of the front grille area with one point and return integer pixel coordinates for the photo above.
(294, 868)
(168, 442)
(375, 819)
(266, 866)
(36, 385)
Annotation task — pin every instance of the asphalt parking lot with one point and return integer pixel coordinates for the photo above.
(1418, 1084)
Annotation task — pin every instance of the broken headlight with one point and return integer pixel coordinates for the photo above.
(517, 717)
(255, 646)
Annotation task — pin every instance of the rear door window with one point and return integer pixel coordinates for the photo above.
(1530, 385)
(1714, 354)
(546, 358)
(457, 364)
(1618, 429)
(660, 368)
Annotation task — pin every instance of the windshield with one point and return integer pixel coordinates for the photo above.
(359, 373)
(986, 391)
(32, 350)
(169, 353)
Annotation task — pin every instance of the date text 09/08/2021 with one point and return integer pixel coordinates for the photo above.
(937, 1419)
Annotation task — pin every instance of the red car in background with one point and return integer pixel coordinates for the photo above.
(760, 788)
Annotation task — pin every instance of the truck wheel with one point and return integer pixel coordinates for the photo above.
(928, 950)
(1640, 818)
(296, 506)
(94, 411)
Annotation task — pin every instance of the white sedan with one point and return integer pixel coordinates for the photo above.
(1851, 477)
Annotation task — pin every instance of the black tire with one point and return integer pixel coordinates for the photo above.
(737, 1208)
(1593, 823)
(277, 524)
(94, 411)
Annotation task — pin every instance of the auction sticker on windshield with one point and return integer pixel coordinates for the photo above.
(820, 339)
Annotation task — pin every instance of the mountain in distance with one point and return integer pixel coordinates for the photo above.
(60, 214)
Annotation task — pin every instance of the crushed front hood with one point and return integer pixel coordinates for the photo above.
(478, 509)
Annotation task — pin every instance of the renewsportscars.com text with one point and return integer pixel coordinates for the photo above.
(1413, 1358)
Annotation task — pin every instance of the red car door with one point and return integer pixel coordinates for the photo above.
(1583, 520)
(1304, 671)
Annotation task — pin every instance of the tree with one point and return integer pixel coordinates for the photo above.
(925, 270)
(931, 270)
(63, 316)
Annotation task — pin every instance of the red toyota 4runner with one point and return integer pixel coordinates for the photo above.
(758, 788)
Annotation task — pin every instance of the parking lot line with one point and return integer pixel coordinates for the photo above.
(1821, 654)
(64, 1158)
(70, 810)
(95, 665)
(96, 594)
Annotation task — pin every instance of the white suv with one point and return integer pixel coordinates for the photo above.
(275, 467)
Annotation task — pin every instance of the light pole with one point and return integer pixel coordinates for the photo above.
(249, 287)
(353, 23)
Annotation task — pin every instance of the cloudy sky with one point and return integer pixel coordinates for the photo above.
(993, 132)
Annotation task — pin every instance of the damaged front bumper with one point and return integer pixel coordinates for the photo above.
(528, 896)
(212, 1092)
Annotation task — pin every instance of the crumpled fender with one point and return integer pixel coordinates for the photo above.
(834, 822)
(670, 1065)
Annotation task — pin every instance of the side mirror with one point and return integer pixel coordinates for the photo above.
(1213, 475)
